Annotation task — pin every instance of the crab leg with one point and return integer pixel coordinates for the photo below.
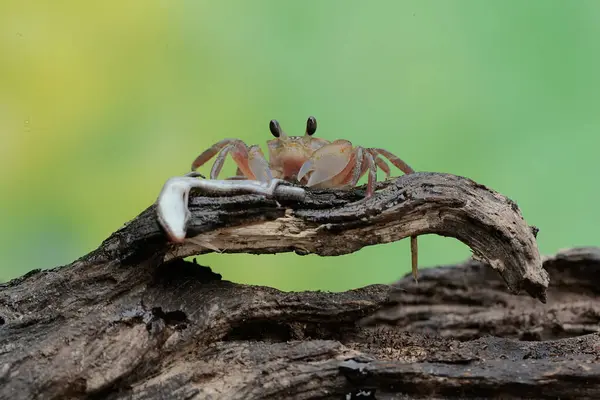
(218, 165)
(258, 166)
(414, 255)
(209, 153)
(367, 162)
(414, 249)
(404, 167)
(372, 174)
(250, 160)
(359, 168)
(395, 160)
(383, 166)
(171, 205)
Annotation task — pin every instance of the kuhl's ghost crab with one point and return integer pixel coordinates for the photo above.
(310, 161)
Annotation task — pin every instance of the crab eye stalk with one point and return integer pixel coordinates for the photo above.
(311, 126)
(275, 128)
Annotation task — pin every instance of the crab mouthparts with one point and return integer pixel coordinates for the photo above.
(291, 167)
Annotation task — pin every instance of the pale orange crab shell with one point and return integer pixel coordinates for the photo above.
(287, 154)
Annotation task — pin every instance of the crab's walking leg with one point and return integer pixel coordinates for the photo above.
(404, 167)
(372, 174)
(395, 160)
(220, 160)
(371, 157)
(209, 153)
(258, 166)
(251, 162)
(414, 253)
(359, 168)
(171, 205)
(381, 164)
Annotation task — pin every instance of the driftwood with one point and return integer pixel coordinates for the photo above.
(132, 320)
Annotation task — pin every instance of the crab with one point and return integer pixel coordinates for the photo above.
(310, 161)
(307, 160)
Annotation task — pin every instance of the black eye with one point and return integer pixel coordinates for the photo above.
(275, 128)
(311, 126)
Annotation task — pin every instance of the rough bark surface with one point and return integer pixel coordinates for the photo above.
(132, 320)
(334, 223)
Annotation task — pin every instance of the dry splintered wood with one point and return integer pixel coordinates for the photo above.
(132, 320)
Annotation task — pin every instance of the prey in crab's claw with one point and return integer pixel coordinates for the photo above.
(172, 203)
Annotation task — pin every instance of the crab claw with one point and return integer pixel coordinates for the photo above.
(329, 165)
(307, 167)
(258, 165)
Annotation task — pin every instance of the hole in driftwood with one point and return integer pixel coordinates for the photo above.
(2, 320)
(261, 331)
(175, 318)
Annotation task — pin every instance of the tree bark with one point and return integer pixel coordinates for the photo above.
(133, 320)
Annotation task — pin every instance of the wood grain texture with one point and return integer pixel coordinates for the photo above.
(132, 320)
(330, 223)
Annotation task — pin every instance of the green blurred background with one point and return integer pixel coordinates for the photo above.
(101, 102)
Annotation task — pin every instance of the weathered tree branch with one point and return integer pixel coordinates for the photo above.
(335, 223)
(121, 323)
